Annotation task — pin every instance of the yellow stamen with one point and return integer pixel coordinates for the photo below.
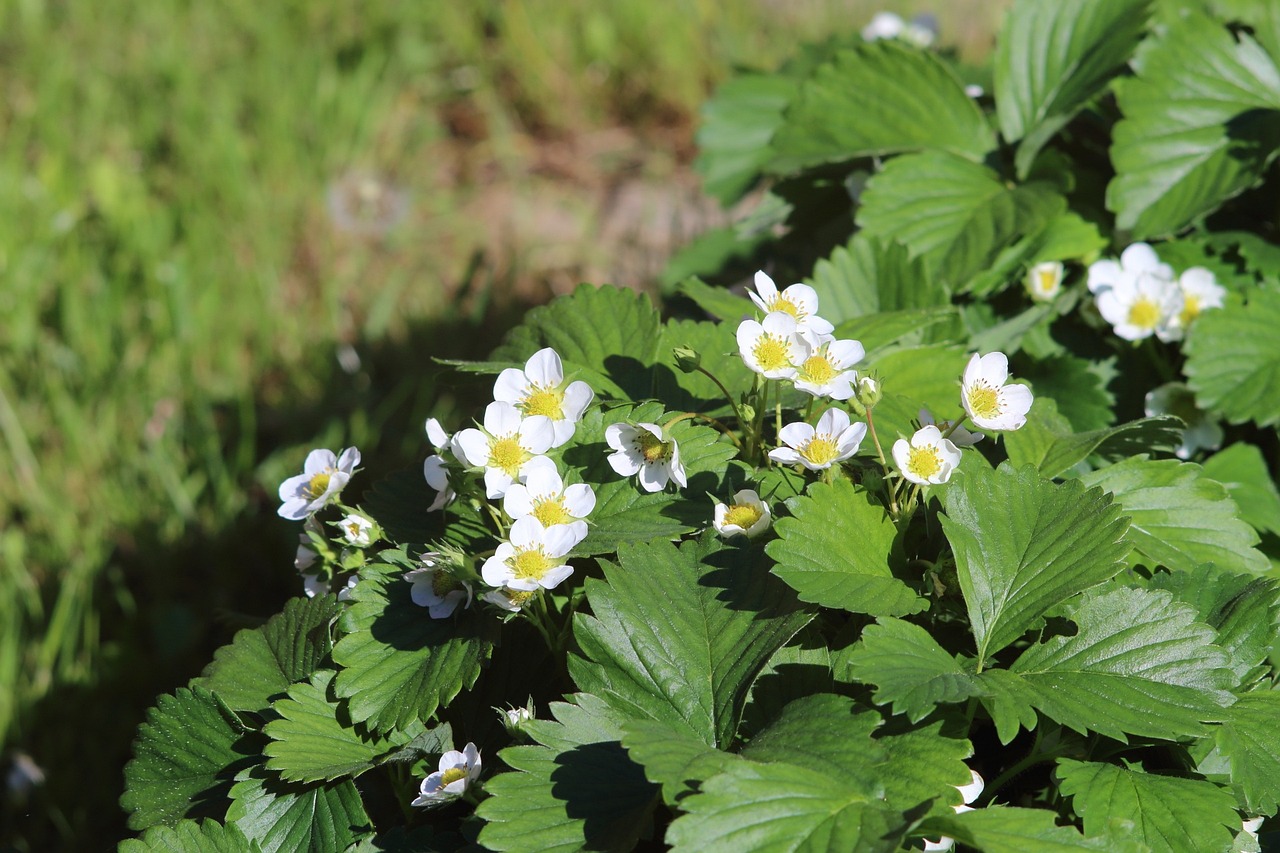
(924, 462)
(743, 515)
(1144, 313)
(984, 401)
(652, 448)
(1190, 310)
(785, 305)
(453, 774)
(530, 565)
(544, 401)
(443, 583)
(318, 484)
(551, 511)
(817, 369)
(821, 450)
(1048, 280)
(772, 352)
(507, 455)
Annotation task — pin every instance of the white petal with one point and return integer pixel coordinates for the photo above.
(526, 533)
(554, 576)
(818, 324)
(496, 483)
(436, 434)
(779, 323)
(785, 455)
(511, 386)
(544, 481)
(970, 792)
(319, 461)
(495, 570)
(516, 502)
(765, 286)
(803, 297)
(560, 539)
(435, 472)
(294, 487)
(501, 419)
(833, 422)
(472, 446)
(619, 436)
(653, 478)
(849, 440)
(676, 467)
(544, 368)
(1103, 274)
(796, 434)
(994, 368)
(579, 500)
(349, 459)
(845, 353)
(472, 756)
(717, 519)
(576, 399)
(562, 430)
(1140, 257)
(625, 462)
(537, 434)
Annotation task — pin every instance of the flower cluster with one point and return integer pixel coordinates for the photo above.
(1140, 296)
(920, 31)
(324, 476)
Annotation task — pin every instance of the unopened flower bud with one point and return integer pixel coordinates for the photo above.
(687, 359)
(869, 391)
(514, 720)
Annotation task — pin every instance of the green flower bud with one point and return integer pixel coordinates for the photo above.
(687, 359)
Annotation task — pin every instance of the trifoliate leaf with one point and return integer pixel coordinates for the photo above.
(1241, 609)
(675, 759)
(1178, 517)
(879, 99)
(1233, 360)
(1194, 134)
(737, 122)
(1052, 58)
(286, 817)
(1023, 544)
(955, 213)
(577, 790)
(870, 276)
(908, 668)
(678, 635)
(1169, 814)
(184, 759)
(1049, 442)
(399, 664)
(834, 550)
(1140, 664)
(187, 836)
(608, 337)
(1001, 829)
(261, 663)
(310, 741)
(1243, 470)
(1250, 741)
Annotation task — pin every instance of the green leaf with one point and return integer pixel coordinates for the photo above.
(870, 276)
(399, 664)
(607, 337)
(1023, 544)
(1233, 363)
(695, 392)
(1053, 58)
(1250, 740)
(954, 213)
(1179, 517)
(719, 302)
(800, 668)
(675, 759)
(914, 378)
(879, 99)
(261, 663)
(1139, 664)
(1242, 469)
(311, 740)
(186, 754)
(1078, 386)
(678, 635)
(1168, 814)
(1194, 134)
(909, 669)
(834, 550)
(286, 817)
(398, 503)
(1049, 442)
(577, 790)
(187, 836)
(737, 123)
(1001, 829)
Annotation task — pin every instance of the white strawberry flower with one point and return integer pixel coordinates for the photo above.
(506, 448)
(987, 400)
(1138, 260)
(772, 347)
(959, 436)
(746, 516)
(533, 556)
(544, 496)
(1201, 430)
(436, 588)
(1251, 826)
(800, 301)
(833, 440)
(1139, 306)
(323, 477)
(642, 449)
(457, 770)
(357, 530)
(1044, 281)
(436, 468)
(825, 368)
(540, 389)
(927, 459)
(969, 793)
(510, 600)
(1200, 292)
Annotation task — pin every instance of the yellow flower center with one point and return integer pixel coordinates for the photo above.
(353, 530)
(443, 583)
(530, 565)
(519, 597)
(544, 401)
(507, 455)
(924, 462)
(1190, 310)
(1048, 280)
(743, 515)
(551, 511)
(984, 401)
(319, 482)
(1144, 313)
(453, 774)
(786, 306)
(817, 369)
(772, 352)
(652, 448)
(821, 450)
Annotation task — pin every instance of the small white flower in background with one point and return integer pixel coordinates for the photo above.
(532, 557)
(969, 793)
(506, 447)
(974, 91)
(1139, 306)
(323, 477)
(357, 530)
(988, 401)
(771, 348)
(435, 587)
(746, 516)
(642, 449)
(800, 301)
(1200, 292)
(928, 459)
(1044, 281)
(1138, 259)
(960, 436)
(540, 389)
(436, 472)
(1251, 826)
(544, 496)
(1201, 431)
(313, 586)
(921, 31)
(825, 366)
(457, 771)
(510, 600)
(436, 435)
(833, 440)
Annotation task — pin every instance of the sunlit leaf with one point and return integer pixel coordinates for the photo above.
(1250, 741)
(1233, 363)
(296, 818)
(909, 669)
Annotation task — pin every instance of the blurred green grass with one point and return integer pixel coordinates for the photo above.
(176, 290)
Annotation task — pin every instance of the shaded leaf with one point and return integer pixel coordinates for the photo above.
(1001, 829)
(1242, 469)
(1049, 442)
(187, 836)
(289, 818)
(1233, 360)
(737, 123)
(1249, 739)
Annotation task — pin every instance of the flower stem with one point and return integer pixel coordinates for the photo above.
(891, 486)
(737, 413)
